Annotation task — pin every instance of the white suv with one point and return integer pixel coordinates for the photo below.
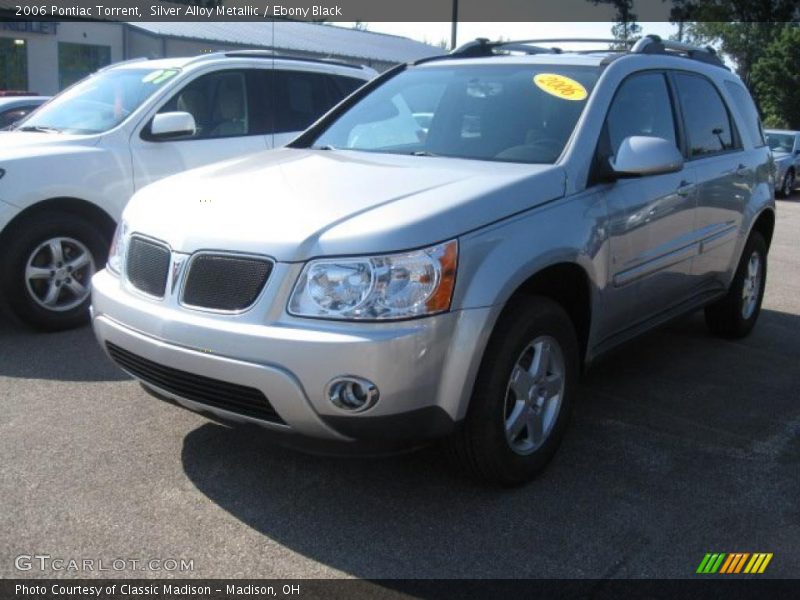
(67, 171)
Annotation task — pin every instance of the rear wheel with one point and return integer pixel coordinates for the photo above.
(50, 263)
(787, 185)
(523, 395)
(735, 315)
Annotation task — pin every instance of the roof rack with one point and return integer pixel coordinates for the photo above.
(653, 44)
(649, 44)
(483, 47)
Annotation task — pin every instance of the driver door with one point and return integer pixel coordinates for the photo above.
(651, 218)
(233, 118)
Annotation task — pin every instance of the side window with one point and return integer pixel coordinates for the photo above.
(747, 108)
(346, 85)
(219, 104)
(300, 99)
(708, 124)
(641, 106)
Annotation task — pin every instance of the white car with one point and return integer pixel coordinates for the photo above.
(67, 171)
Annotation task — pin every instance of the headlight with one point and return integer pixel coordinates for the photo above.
(395, 286)
(116, 255)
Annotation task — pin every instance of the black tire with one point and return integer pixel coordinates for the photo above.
(20, 246)
(480, 445)
(787, 185)
(727, 317)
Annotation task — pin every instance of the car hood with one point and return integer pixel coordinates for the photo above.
(294, 204)
(23, 144)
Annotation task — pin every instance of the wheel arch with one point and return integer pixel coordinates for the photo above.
(764, 224)
(76, 206)
(567, 284)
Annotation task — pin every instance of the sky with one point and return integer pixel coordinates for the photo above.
(433, 33)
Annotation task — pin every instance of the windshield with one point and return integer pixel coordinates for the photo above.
(98, 103)
(514, 113)
(780, 142)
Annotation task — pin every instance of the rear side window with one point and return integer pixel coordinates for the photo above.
(300, 99)
(641, 107)
(747, 108)
(345, 85)
(708, 125)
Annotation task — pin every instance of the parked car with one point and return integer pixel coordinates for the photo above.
(785, 146)
(69, 168)
(382, 282)
(12, 109)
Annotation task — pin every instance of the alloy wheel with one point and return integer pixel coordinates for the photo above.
(58, 273)
(533, 395)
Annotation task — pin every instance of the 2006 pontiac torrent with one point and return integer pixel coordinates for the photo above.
(442, 254)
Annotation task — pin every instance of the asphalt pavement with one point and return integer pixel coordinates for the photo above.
(682, 444)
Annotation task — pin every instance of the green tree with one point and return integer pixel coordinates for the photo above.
(776, 80)
(740, 29)
(625, 27)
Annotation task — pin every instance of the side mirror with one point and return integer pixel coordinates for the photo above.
(172, 125)
(643, 155)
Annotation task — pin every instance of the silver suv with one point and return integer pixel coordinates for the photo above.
(445, 251)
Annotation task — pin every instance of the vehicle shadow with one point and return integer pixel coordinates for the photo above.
(64, 356)
(630, 481)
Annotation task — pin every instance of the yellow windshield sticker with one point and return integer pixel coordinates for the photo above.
(560, 86)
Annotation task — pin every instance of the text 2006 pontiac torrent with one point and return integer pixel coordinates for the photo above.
(442, 253)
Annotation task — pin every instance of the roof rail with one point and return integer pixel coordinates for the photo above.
(122, 62)
(649, 44)
(483, 47)
(272, 55)
(653, 44)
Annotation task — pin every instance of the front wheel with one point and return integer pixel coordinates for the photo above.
(46, 278)
(522, 398)
(735, 315)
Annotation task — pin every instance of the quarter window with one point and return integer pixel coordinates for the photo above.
(708, 123)
(747, 109)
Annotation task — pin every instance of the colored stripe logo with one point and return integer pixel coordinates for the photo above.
(735, 562)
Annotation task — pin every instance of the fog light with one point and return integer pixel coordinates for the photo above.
(353, 394)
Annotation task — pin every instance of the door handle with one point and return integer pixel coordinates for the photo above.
(685, 188)
(741, 171)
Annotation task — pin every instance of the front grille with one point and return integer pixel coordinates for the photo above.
(232, 397)
(148, 266)
(225, 282)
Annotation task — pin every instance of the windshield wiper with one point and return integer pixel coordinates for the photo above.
(39, 129)
(423, 153)
(325, 147)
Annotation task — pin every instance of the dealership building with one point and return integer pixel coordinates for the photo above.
(46, 57)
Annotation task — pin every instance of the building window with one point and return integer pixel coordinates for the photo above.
(13, 64)
(76, 61)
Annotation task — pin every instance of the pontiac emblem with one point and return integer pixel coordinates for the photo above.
(177, 265)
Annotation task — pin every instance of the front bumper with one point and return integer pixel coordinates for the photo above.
(423, 368)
